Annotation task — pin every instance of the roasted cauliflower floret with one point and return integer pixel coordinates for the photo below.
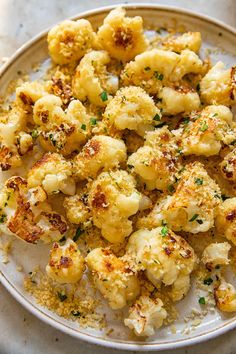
(122, 36)
(145, 316)
(189, 62)
(69, 41)
(14, 141)
(228, 166)
(66, 264)
(53, 173)
(26, 214)
(216, 254)
(158, 161)
(28, 93)
(77, 210)
(61, 131)
(180, 100)
(226, 219)
(218, 86)
(225, 297)
(113, 277)
(165, 257)
(192, 206)
(187, 40)
(132, 108)
(92, 80)
(101, 153)
(113, 198)
(205, 133)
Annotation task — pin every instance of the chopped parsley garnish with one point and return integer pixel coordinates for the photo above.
(52, 139)
(76, 313)
(62, 239)
(217, 196)
(164, 231)
(103, 96)
(215, 115)
(34, 134)
(83, 126)
(157, 118)
(93, 121)
(198, 181)
(77, 234)
(147, 68)
(208, 281)
(180, 151)
(171, 188)
(204, 126)
(186, 120)
(194, 217)
(199, 221)
(130, 166)
(3, 218)
(61, 296)
(202, 300)
(160, 125)
(158, 76)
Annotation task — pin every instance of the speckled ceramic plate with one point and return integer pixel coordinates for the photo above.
(215, 35)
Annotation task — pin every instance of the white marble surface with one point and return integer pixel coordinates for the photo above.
(21, 332)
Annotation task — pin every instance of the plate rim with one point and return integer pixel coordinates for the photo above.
(111, 343)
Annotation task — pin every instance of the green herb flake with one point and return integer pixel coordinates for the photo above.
(78, 234)
(61, 296)
(171, 188)
(62, 239)
(204, 126)
(83, 126)
(160, 125)
(157, 118)
(76, 313)
(194, 217)
(202, 300)
(198, 181)
(34, 134)
(93, 121)
(147, 68)
(217, 196)
(3, 218)
(186, 120)
(158, 76)
(208, 281)
(164, 231)
(103, 96)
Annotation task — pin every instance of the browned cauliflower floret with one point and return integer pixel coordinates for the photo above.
(113, 277)
(28, 93)
(158, 161)
(26, 213)
(189, 63)
(92, 80)
(122, 36)
(187, 40)
(145, 316)
(192, 206)
(113, 198)
(225, 297)
(165, 257)
(206, 132)
(226, 219)
(66, 264)
(69, 41)
(101, 153)
(61, 131)
(218, 86)
(216, 254)
(228, 166)
(132, 108)
(53, 173)
(77, 210)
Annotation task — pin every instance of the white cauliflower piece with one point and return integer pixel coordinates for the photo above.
(132, 108)
(61, 131)
(228, 166)
(26, 214)
(189, 62)
(70, 40)
(192, 206)
(158, 161)
(122, 36)
(216, 254)
(28, 93)
(53, 173)
(101, 153)
(66, 264)
(113, 198)
(206, 131)
(225, 220)
(187, 40)
(225, 297)
(166, 258)
(145, 316)
(113, 277)
(93, 81)
(218, 86)
(180, 100)
(76, 207)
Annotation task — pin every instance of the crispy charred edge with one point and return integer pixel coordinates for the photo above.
(99, 199)
(5, 157)
(62, 90)
(56, 222)
(123, 37)
(231, 216)
(91, 149)
(27, 100)
(48, 157)
(110, 265)
(64, 261)
(16, 183)
(233, 82)
(182, 246)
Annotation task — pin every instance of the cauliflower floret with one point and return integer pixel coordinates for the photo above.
(122, 36)
(189, 62)
(165, 257)
(66, 264)
(145, 316)
(28, 93)
(132, 108)
(206, 132)
(225, 297)
(228, 166)
(218, 86)
(187, 40)
(14, 141)
(53, 173)
(192, 206)
(113, 198)
(93, 81)
(158, 161)
(101, 153)
(225, 220)
(26, 214)
(113, 277)
(69, 41)
(77, 210)
(180, 100)
(61, 131)
(216, 254)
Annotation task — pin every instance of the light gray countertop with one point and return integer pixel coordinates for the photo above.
(21, 332)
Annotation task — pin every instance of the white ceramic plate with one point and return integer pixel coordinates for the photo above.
(215, 34)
